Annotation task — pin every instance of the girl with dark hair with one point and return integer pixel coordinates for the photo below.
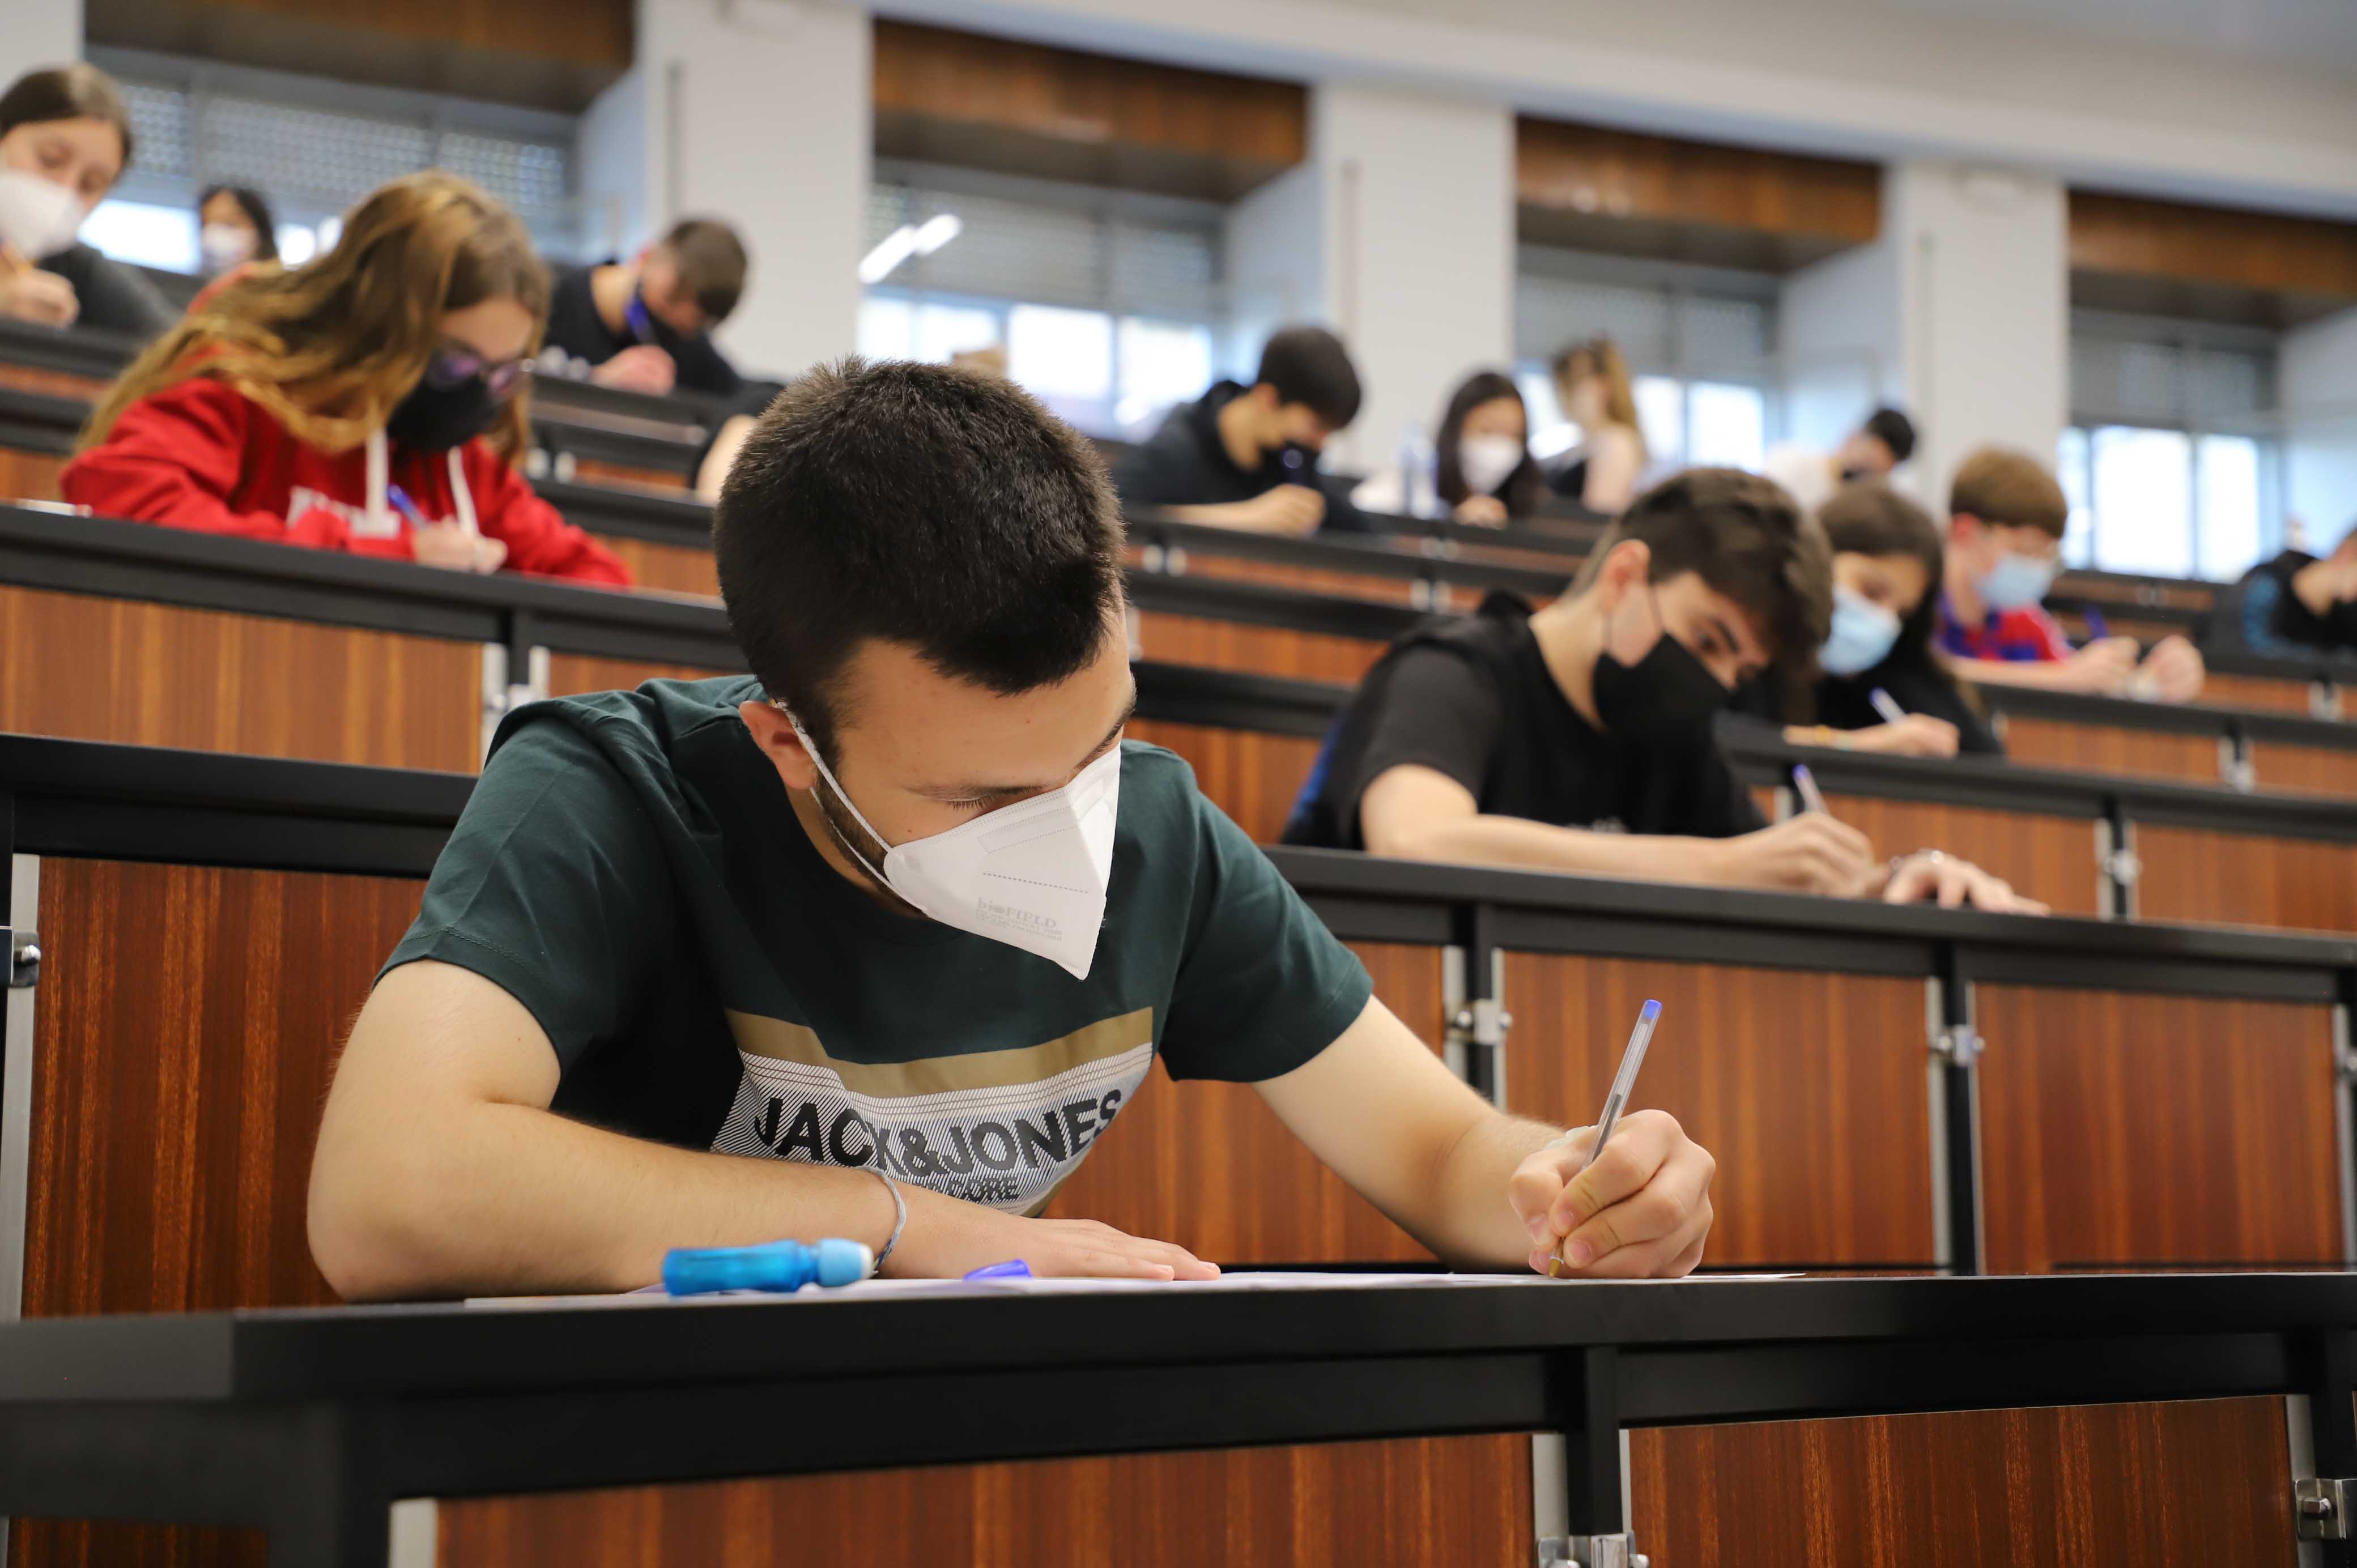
(65, 136)
(1888, 562)
(238, 228)
(1482, 469)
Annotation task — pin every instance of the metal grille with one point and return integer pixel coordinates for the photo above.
(1671, 331)
(2168, 373)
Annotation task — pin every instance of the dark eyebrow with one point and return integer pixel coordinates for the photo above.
(1735, 646)
(993, 791)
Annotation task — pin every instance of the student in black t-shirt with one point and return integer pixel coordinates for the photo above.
(2294, 607)
(1581, 737)
(881, 940)
(645, 324)
(1888, 557)
(1246, 458)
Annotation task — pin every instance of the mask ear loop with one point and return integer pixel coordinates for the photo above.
(841, 794)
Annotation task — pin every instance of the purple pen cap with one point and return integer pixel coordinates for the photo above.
(1651, 1011)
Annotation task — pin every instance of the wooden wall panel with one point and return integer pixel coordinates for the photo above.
(2305, 769)
(96, 669)
(1628, 174)
(187, 1022)
(572, 674)
(1809, 1089)
(2173, 240)
(1025, 108)
(2238, 879)
(56, 383)
(1253, 778)
(2119, 1130)
(2103, 748)
(1459, 1502)
(30, 476)
(2194, 1484)
(2268, 693)
(1255, 649)
(2050, 858)
(670, 568)
(1209, 1166)
(624, 476)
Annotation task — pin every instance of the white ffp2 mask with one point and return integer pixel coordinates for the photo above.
(38, 217)
(1487, 461)
(1033, 875)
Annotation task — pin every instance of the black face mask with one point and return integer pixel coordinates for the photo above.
(435, 419)
(1856, 472)
(1667, 698)
(1296, 464)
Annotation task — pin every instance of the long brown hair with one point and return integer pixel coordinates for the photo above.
(1601, 357)
(330, 346)
(1524, 489)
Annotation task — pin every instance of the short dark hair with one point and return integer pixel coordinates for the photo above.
(1309, 365)
(1894, 430)
(2010, 488)
(921, 505)
(1749, 539)
(712, 264)
(77, 92)
(256, 208)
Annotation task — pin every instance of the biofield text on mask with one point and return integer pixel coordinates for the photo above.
(1033, 875)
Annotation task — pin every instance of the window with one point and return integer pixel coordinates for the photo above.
(312, 147)
(1701, 346)
(2167, 464)
(1104, 302)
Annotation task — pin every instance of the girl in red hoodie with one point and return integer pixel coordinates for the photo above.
(368, 400)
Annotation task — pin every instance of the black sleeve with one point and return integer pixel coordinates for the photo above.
(1923, 690)
(703, 368)
(1433, 709)
(114, 298)
(1724, 808)
(1342, 513)
(1160, 472)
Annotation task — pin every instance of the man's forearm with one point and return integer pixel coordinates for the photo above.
(506, 1199)
(1526, 845)
(1470, 1221)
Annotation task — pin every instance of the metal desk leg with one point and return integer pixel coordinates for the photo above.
(1600, 1536)
(2322, 1506)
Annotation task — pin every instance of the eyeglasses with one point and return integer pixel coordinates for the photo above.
(454, 364)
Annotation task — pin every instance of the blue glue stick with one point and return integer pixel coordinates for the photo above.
(772, 1266)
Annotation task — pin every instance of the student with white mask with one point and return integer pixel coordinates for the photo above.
(881, 940)
(235, 227)
(1483, 470)
(64, 138)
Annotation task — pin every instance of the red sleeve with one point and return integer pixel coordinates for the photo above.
(539, 540)
(2053, 641)
(174, 458)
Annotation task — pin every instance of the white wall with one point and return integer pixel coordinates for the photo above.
(2318, 377)
(1841, 344)
(35, 33)
(2102, 102)
(1984, 266)
(1420, 192)
(616, 154)
(757, 112)
(1275, 240)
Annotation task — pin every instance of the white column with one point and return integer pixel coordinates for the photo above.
(1399, 234)
(35, 33)
(757, 112)
(2317, 370)
(1960, 312)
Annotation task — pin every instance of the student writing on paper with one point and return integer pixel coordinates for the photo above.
(369, 401)
(894, 926)
(1581, 736)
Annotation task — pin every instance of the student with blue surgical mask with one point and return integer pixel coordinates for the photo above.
(2005, 521)
(1888, 564)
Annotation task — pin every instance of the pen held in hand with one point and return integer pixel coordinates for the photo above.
(1885, 706)
(1624, 1082)
(1812, 797)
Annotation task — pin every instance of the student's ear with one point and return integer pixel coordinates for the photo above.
(774, 734)
(1963, 528)
(1625, 566)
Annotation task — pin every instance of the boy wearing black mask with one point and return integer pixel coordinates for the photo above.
(1581, 737)
(645, 324)
(1246, 458)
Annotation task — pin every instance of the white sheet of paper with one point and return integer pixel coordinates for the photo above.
(1243, 1280)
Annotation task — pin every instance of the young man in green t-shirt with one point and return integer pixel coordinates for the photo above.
(878, 941)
